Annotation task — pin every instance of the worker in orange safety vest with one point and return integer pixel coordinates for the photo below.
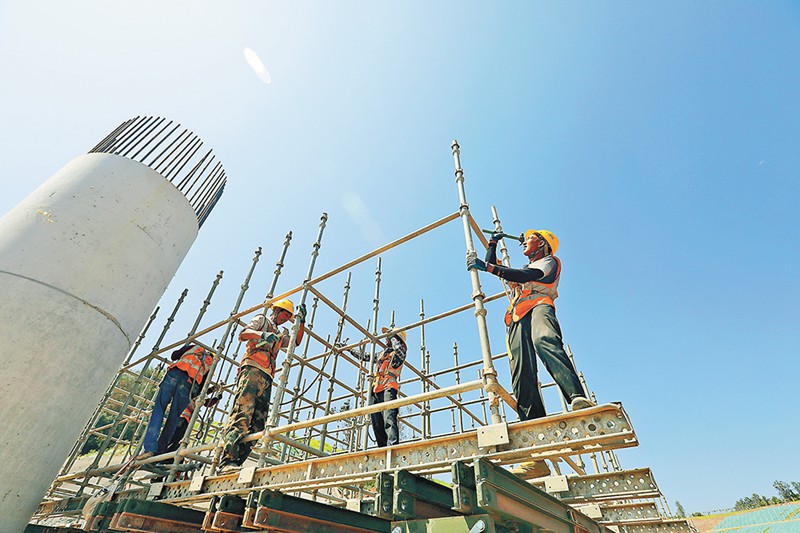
(213, 397)
(532, 327)
(264, 339)
(386, 387)
(192, 362)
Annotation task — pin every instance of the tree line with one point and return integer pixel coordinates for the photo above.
(787, 492)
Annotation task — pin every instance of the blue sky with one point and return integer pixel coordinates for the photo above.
(658, 140)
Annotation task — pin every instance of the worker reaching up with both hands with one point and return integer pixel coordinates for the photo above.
(264, 338)
(532, 327)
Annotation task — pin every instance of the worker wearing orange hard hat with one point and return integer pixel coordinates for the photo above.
(264, 339)
(532, 327)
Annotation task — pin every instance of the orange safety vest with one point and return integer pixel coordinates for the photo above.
(265, 356)
(191, 364)
(388, 376)
(526, 296)
(187, 413)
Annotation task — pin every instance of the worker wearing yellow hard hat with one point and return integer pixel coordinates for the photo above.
(532, 327)
(264, 339)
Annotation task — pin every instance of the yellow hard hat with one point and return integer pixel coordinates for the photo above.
(286, 305)
(401, 334)
(548, 236)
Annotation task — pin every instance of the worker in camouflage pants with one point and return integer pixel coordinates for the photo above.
(264, 338)
(253, 391)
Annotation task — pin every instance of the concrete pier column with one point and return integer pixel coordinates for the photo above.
(83, 261)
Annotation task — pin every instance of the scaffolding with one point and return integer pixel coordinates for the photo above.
(316, 445)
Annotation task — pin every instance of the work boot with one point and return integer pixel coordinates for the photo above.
(226, 466)
(581, 402)
(531, 469)
(144, 455)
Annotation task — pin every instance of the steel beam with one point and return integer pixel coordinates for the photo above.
(605, 426)
(554, 436)
(455, 524)
(504, 495)
(664, 526)
(419, 497)
(623, 485)
(623, 513)
(281, 512)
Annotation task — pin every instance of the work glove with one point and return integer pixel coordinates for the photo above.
(494, 237)
(476, 264)
(301, 313)
(266, 338)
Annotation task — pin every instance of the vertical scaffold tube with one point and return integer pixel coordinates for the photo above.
(217, 356)
(336, 350)
(426, 406)
(299, 381)
(370, 377)
(274, 413)
(489, 373)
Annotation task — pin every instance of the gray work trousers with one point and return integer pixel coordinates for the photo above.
(539, 334)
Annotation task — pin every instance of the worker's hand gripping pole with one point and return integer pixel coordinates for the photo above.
(274, 413)
(233, 320)
(489, 373)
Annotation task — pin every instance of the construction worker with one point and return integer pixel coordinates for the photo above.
(386, 387)
(532, 326)
(264, 340)
(187, 373)
(213, 398)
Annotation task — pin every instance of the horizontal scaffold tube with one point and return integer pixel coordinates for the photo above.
(400, 402)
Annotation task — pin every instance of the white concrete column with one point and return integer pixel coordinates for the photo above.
(83, 261)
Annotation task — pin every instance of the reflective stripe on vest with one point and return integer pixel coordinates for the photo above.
(191, 364)
(265, 356)
(526, 296)
(187, 413)
(387, 376)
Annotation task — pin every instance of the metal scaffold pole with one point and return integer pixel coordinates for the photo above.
(121, 413)
(216, 352)
(299, 381)
(337, 349)
(489, 373)
(274, 414)
(76, 449)
(368, 379)
(153, 385)
(426, 407)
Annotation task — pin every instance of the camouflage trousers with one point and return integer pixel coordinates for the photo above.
(249, 414)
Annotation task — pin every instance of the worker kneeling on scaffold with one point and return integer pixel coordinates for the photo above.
(264, 340)
(387, 386)
(532, 327)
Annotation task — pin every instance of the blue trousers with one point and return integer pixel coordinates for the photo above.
(173, 392)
